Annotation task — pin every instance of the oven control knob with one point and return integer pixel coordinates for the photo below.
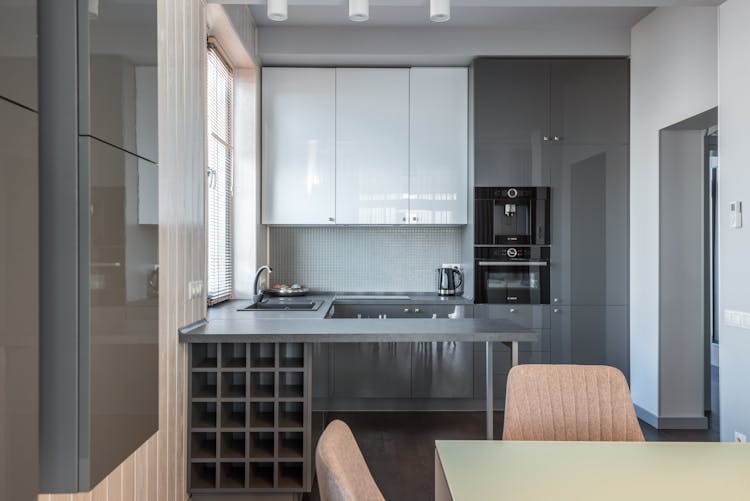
(511, 252)
(512, 193)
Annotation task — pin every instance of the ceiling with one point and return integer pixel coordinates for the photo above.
(470, 13)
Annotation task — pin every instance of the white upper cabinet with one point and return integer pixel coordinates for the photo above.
(438, 160)
(372, 146)
(299, 139)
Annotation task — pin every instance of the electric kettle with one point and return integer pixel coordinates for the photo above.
(449, 281)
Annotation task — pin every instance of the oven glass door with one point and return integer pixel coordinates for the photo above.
(518, 282)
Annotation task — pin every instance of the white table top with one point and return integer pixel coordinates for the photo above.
(489, 470)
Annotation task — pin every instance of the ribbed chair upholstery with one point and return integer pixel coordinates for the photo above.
(569, 402)
(343, 474)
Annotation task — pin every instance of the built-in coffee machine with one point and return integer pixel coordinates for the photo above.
(511, 216)
(511, 245)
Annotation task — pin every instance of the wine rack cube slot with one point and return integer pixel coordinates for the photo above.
(291, 475)
(263, 355)
(292, 355)
(203, 445)
(291, 384)
(233, 384)
(291, 445)
(261, 475)
(262, 385)
(291, 415)
(203, 384)
(203, 475)
(233, 445)
(232, 475)
(262, 415)
(234, 355)
(262, 444)
(204, 356)
(204, 414)
(233, 415)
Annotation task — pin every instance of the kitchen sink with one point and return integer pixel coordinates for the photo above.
(390, 310)
(283, 305)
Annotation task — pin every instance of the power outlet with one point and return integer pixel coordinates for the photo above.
(195, 289)
(454, 266)
(740, 437)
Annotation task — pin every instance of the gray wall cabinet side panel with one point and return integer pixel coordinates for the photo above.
(590, 100)
(372, 370)
(19, 304)
(18, 30)
(59, 272)
(511, 118)
(589, 225)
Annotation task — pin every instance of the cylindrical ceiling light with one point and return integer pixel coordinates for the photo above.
(277, 10)
(359, 10)
(440, 10)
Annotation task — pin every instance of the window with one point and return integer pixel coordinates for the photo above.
(219, 177)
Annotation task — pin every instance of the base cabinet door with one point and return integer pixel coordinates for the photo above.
(590, 335)
(372, 370)
(442, 370)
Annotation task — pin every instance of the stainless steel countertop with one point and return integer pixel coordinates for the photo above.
(226, 324)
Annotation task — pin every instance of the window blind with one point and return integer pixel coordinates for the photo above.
(219, 177)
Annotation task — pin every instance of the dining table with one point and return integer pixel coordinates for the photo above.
(482, 470)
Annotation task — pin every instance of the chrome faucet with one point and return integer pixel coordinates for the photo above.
(258, 295)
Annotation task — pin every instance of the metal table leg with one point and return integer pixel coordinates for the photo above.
(514, 354)
(488, 384)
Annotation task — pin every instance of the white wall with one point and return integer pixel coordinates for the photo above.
(734, 184)
(673, 77)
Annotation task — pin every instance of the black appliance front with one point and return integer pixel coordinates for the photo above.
(511, 216)
(515, 275)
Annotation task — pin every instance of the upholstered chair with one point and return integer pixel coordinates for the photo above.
(343, 474)
(569, 402)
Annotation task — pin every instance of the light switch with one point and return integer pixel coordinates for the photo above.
(735, 214)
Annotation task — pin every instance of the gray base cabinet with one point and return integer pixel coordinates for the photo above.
(249, 419)
(372, 370)
(442, 370)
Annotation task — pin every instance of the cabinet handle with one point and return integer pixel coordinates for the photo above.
(406, 310)
(414, 218)
(512, 310)
(403, 219)
(556, 300)
(546, 138)
(417, 310)
(331, 219)
(557, 138)
(556, 310)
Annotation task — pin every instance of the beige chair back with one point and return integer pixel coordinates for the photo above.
(569, 402)
(343, 474)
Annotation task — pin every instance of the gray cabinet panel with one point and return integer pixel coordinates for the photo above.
(442, 370)
(118, 92)
(372, 370)
(589, 262)
(19, 307)
(321, 367)
(511, 119)
(18, 58)
(590, 335)
(590, 101)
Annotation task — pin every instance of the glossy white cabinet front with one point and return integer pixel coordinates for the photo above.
(372, 145)
(438, 165)
(299, 159)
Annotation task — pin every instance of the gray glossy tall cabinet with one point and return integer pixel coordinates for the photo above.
(563, 123)
(98, 238)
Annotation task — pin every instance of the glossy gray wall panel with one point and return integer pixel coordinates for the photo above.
(123, 313)
(19, 303)
(18, 55)
(118, 102)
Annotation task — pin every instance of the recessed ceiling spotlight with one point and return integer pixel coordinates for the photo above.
(359, 10)
(277, 10)
(440, 10)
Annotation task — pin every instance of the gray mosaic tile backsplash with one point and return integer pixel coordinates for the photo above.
(362, 259)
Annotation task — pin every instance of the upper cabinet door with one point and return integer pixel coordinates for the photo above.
(438, 170)
(511, 121)
(372, 146)
(18, 56)
(118, 89)
(590, 101)
(299, 160)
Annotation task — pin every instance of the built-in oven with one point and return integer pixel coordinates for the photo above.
(517, 275)
(511, 216)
